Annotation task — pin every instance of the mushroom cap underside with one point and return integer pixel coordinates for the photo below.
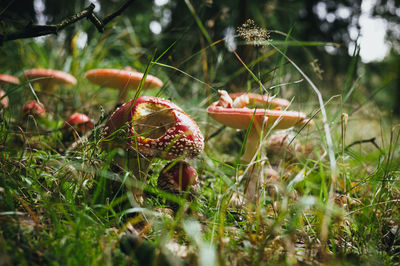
(121, 79)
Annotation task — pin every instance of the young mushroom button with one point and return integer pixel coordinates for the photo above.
(176, 177)
(155, 127)
(80, 122)
(34, 108)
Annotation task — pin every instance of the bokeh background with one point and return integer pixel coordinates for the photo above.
(344, 26)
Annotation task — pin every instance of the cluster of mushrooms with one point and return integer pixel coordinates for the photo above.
(150, 127)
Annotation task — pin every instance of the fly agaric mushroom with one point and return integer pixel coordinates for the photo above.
(34, 108)
(6, 79)
(154, 128)
(260, 120)
(123, 80)
(78, 121)
(50, 78)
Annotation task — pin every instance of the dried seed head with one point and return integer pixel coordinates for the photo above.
(253, 34)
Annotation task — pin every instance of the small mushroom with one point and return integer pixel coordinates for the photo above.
(6, 79)
(177, 177)
(50, 78)
(78, 121)
(34, 108)
(3, 99)
(122, 80)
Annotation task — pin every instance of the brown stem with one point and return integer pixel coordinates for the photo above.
(138, 165)
(122, 95)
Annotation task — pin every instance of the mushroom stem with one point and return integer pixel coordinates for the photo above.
(256, 134)
(122, 95)
(252, 186)
(138, 166)
(253, 139)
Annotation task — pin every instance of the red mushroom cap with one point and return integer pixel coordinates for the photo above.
(79, 121)
(240, 118)
(52, 78)
(177, 177)
(156, 127)
(34, 108)
(4, 78)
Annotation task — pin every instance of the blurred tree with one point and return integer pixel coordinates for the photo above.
(12, 16)
(197, 24)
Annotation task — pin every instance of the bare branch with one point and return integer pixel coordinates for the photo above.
(117, 13)
(31, 31)
(371, 140)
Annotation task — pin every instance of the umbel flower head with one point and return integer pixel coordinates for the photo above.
(253, 34)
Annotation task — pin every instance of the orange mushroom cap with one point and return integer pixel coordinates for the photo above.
(4, 79)
(51, 78)
(240, 118)
(121, 79)
(259, 118)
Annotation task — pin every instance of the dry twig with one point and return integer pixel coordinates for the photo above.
(31, 31)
